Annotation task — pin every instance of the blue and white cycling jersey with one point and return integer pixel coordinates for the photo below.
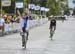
(24, 23)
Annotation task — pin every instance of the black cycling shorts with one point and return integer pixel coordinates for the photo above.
(24, 29)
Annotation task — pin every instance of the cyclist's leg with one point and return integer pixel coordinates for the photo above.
(26, 38)
(23, 37)
(51, 35)
(23, 40)
(27, 35)
(54, 28)
(50, 32)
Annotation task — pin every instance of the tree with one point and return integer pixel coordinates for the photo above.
(43, 3)
(56, 7)
(2, 11)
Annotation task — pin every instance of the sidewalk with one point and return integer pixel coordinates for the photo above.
(39, 42)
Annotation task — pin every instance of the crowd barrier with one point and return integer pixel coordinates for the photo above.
(14, 27)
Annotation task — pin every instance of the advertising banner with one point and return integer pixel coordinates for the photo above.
(19, 5)
(5, 2)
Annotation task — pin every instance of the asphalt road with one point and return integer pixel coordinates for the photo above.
(39, 42)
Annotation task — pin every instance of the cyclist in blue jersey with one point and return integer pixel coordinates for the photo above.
(24, 20)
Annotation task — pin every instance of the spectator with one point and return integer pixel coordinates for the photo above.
(2, 24)
(8, 19)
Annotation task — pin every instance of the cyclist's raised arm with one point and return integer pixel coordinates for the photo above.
(18, 12)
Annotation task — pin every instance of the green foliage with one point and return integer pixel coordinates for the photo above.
(25, 3)
(43, 3)
(2, 11)
(56, 7)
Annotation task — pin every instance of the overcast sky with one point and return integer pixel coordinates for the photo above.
(71, 5)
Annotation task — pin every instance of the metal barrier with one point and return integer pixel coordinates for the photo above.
(14, 27)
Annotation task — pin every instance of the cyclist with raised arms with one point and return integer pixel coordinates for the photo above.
(24, 21)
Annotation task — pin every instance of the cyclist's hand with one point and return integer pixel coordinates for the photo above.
(54, 29)
(27, 30)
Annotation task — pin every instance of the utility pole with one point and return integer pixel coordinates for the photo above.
(24, 5)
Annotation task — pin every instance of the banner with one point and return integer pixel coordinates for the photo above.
(31, 6)
(19, 5)
(46, 9)
(42, 9)
(5, 2)
(37, 7)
